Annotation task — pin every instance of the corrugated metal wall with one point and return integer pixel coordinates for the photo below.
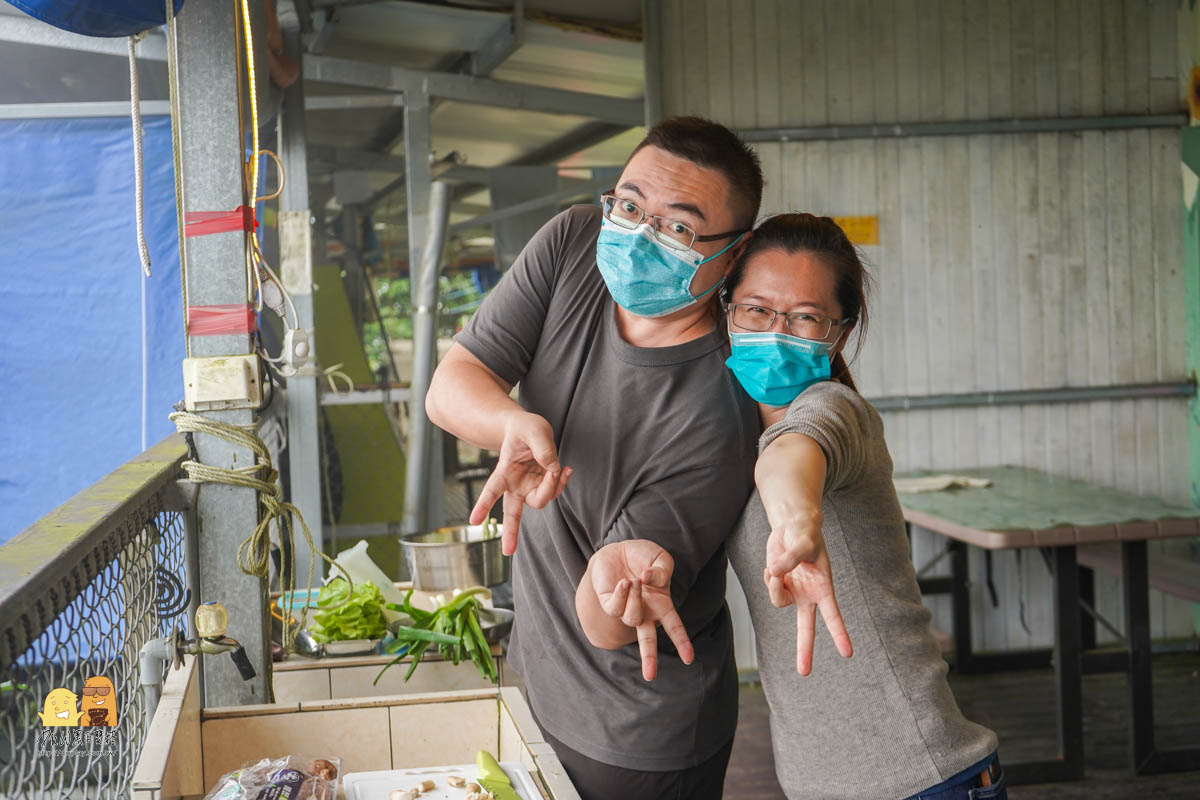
(1006, 261)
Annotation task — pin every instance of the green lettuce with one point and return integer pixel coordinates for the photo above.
(359, 618)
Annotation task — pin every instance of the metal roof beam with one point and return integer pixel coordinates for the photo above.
(120, 108)
(349, 102)
(108, 108)
(484, 220)
(476, 177)
(469, 89)
(348, 158)
(652, 59)
(896, 130)
(554, 151)
(24, 30)
(336, 3)
(304, 13)
(462, 173)
(369, 161)
(502, 45)
(570, 143)
(368, 206)
(321, 38)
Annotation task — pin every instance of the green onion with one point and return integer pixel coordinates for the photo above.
(454, 628)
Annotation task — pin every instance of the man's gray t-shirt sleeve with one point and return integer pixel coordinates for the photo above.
(505, 329)
(668, 512)
(837, 418)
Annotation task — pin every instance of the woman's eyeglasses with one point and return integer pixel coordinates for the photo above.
(804, 324)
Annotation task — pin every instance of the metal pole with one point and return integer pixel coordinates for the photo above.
(652, 59)
(417, 477)
(418, 179)
(296, 255)
(590, 188)
(204, 77)
(355, 280)
(1079, 394)
(900, 130)
(191, 554)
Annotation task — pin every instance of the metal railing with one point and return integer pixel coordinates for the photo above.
(81, 591)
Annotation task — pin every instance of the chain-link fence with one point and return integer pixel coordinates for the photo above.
(71, 629)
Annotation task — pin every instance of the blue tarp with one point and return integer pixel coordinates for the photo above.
(70, 307)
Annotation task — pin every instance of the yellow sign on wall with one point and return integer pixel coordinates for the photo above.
(860, 230)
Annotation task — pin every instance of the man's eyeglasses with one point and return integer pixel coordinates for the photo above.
(804, 324)
(94, 690)
(671, 232)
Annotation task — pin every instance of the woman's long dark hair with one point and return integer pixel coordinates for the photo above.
(821, 236)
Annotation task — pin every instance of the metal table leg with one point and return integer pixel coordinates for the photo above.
(1068, 678)
(1137, 632)
(1087, 594)
(1068, 670)
(1144, 757)
(960, 599)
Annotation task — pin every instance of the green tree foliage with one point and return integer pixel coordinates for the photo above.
(458, 299)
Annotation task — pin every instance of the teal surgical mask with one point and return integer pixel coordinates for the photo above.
(774, 368)
(646, 277)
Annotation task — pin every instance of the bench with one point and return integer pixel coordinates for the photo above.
(1167, 574)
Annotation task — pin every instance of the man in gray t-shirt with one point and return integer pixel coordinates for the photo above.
(622, 378)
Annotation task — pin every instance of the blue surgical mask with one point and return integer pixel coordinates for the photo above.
(774, 368)
(646, 277)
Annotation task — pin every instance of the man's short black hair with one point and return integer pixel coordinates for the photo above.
(712, 145)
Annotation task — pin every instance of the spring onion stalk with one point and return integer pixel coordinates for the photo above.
(453, 628)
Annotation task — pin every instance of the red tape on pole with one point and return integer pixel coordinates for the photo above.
(203, 223)
(221, 320)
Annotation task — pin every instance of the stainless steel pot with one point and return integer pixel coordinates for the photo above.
(455, 557)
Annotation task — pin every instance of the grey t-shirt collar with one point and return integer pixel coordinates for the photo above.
(657, 356)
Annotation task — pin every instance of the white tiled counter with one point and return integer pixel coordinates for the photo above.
(188, 748)
(334, 678)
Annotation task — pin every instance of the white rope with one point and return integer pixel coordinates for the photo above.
(135, 107)
(330, 374)
(145, 371)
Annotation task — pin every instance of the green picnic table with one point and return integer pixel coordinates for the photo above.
(1079, 527)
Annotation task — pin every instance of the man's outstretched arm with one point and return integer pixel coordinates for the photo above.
(470, 401)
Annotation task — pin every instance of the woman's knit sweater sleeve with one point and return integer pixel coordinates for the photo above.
(837, 418)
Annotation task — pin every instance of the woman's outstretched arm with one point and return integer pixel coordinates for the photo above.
(790, 476)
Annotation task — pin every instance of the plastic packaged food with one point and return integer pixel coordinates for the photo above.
(287, 778)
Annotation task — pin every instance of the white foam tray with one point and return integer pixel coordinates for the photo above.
(378, 785)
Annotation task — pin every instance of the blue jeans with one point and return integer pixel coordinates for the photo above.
(967, 785)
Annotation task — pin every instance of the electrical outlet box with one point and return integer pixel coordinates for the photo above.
(222, 382)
